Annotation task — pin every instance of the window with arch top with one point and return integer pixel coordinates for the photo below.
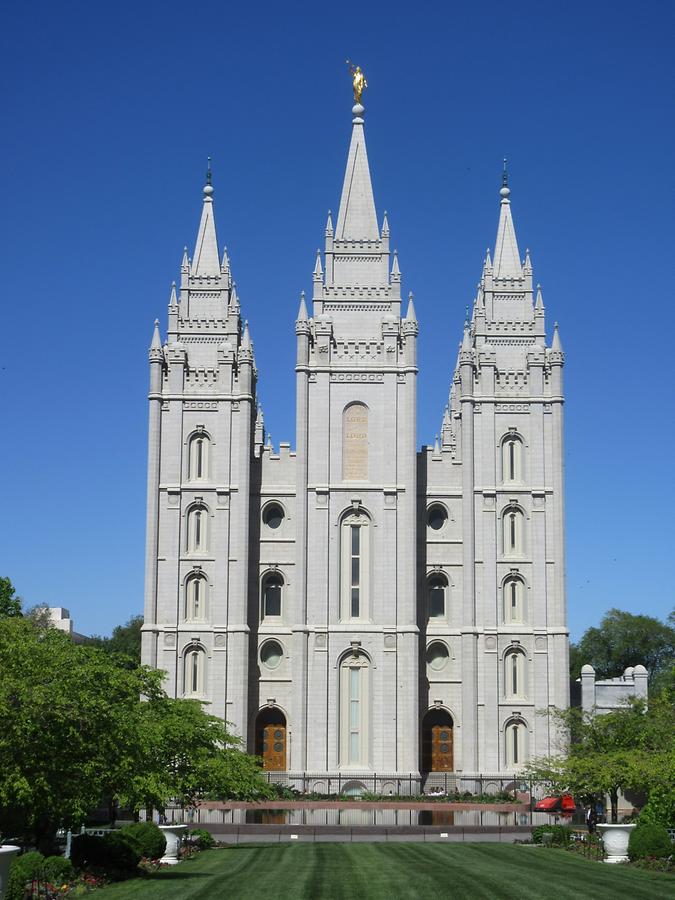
(197, 519)
(355, 566)
(198, 457)
(354, 711)
(513, 531)
(194, 672)
(514, 675)
(195, 598)
(437, 587)
(272, 590)
(515, 739)
(512, 458)
(513, 591)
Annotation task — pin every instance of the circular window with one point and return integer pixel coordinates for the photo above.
(273, 515)
(437, 516)
(278, 748)
(271, 654)
(437, 656)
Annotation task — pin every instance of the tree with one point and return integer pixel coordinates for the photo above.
(74, 731)
(10, 604)
(125, 639)
(622, 640)
(632, 748)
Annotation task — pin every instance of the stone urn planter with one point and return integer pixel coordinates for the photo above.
(174, 834)
(615, 838)
(7, 854)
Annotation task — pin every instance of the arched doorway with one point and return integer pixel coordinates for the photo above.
(270, 738)
(437, 741)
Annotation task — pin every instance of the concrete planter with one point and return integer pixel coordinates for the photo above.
(7, 854)
(615, 838)
(174, 834)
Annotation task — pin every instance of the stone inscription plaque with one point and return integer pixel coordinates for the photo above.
(355, 443)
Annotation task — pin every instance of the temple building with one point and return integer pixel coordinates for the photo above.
(354, 606)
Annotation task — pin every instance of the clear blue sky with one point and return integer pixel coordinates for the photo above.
(109, 112)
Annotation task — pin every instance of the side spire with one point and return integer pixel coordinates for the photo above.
(156, 343)
(507, 258)
(357, 219)
(205, 260)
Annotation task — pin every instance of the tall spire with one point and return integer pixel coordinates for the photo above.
(205, 259)
(507, 258)
(357, 219)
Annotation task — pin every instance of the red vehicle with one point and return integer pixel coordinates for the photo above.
(563, 804)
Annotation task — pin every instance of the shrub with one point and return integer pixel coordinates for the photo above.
(560, 834)
(201, 838)
(660, 808)
(115, 854)
(58, 870)
(23, 870)
(147, 838)
(649, 840)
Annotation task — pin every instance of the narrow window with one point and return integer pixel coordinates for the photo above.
(354, 711)
(354, 716)
(516, 748)
(512, 530)
(514, 601)
(512, 451)
(436, 597)
(514, 674)
(196, 598)
(515, 737)
(512, 461)
(196, 529)
(198, 457)
(355, 570)
(194, 673)
(272, 596)
(354, 538)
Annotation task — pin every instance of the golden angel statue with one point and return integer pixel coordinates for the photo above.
(359, 82)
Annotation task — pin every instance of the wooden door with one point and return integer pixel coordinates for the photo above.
(441, 748)
(274, 748)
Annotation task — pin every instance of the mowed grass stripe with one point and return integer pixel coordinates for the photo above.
(392, 871)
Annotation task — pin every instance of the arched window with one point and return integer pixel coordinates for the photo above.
(437, 586)
(195, 598)
(272, 588)
(515, 737)
(512, 523)
(514, 675)
(194, 672)
(196, 530)
(514, 601)
(355, 545)
(198, 457)
(512, 458)
(354, 711)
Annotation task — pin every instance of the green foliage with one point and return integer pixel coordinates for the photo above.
(124, 641)
(188, 755)
(649, 840)
(24, 869)
(660, 808)
(58, 870)
(201, 838)
(622, 640)
(10, 604)
(632, 748)
(67, 726)
(147, 838)
(73, 730)
(114, 854)
(561, 834)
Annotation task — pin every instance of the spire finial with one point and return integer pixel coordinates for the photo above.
(208, 187)
(505, 190)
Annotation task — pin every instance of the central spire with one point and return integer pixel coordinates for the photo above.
(357, 219)
(507, 258)
(205, 260)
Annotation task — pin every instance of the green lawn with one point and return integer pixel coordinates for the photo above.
(383, 871)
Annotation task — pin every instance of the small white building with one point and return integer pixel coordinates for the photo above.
(355, 606)
(612, 693)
